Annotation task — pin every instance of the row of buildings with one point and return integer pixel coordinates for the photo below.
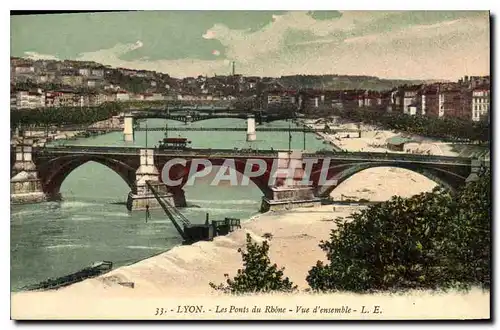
(91, 75)
(47, 83)
(465, 99)
(67, 73)
(469, 98)
(38, 98)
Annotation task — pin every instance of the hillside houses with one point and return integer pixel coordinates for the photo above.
(440, 100)
(77, 83)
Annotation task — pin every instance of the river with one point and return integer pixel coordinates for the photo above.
(91, 223)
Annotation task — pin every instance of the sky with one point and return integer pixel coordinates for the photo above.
(387, 44)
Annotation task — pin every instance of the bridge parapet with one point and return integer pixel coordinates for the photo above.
(137, 165)
(66, 150)
(388, 157)
(246, 153)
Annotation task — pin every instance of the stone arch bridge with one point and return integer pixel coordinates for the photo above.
(38, 173)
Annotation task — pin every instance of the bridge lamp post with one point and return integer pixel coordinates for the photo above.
(304, 135)
(146, 133)
(289, 138)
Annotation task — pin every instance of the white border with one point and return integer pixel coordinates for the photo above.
(191, 5)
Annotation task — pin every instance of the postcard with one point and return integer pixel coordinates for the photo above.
(250, 165)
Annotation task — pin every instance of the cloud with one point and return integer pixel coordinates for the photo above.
(110, 55)
(351, 43)
(347, 45)
(456, 27)
(36, 56)
(246, 45)
(176, 68)
(209, 35)
(324, 14)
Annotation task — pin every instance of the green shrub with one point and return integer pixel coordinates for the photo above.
(429, 241)
(442, 128)
(473, 232)
(258, 275)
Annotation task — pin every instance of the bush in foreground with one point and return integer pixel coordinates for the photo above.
(258, 275)
(429, 241)
(472, 232)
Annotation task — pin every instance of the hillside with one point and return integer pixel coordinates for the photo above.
(343, 82)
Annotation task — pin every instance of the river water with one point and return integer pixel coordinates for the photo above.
(91, 223)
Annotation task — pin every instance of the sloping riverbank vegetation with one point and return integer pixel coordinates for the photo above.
(452, 129)
(63, 116)
(446, 129)
(435, 240)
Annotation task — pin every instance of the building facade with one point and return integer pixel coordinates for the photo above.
(480, 103)
(30, 99)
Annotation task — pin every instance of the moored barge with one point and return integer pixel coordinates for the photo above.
(94, 270)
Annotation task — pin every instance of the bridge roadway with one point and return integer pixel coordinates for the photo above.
(198, 115)
(204, 129)
(200, 108)
(247, 153)
(219, 129)
(192, 113)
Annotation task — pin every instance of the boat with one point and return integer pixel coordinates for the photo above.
(96, 269)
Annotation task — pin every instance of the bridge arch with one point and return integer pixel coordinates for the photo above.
(447, 179)
(182, 172)
(203, 116)
(183, 118)
(57, 170)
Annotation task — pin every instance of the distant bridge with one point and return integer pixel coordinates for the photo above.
(242, 129)
(200, 108)
(212, 129)
(188, 115)
(193, 114)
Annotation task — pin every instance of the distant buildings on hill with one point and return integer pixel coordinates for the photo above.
(469, 98)
(43, 83)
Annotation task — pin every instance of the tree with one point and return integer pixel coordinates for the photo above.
(258, 275)
(473, 232)
(442, 128)
(433, 240)
(60, 116)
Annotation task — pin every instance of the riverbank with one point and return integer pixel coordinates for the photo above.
(374, 139)
(185, 271)
(181, 276)
(41, 137)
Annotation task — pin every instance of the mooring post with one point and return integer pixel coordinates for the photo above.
(304, 136)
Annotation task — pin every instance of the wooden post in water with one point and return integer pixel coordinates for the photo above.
(304, 137)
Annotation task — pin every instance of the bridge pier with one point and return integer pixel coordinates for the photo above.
(128, 128)
(142, 196)
(251, 134)
(25, 186)
(289, 193)
(477, 165)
